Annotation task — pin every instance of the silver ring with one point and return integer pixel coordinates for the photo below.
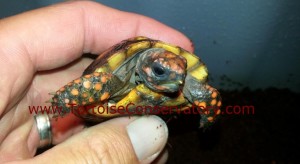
(44, 128)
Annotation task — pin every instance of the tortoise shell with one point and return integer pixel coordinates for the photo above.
(141, 76)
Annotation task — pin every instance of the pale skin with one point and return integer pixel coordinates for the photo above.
(40, 51)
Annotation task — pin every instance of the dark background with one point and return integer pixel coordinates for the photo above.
(252, 51)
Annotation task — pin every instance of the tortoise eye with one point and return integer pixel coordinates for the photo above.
(159, 70)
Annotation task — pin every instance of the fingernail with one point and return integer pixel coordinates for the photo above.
(148, 135)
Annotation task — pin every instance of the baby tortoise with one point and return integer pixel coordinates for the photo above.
(141, 72)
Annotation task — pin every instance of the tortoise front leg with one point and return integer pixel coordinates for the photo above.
(94, 88)
(205, 99)
(209, 106)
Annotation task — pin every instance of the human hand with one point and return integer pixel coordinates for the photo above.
(40, 51)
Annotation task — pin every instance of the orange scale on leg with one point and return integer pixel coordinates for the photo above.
(210, 119)
(91, 99)
(66, 101)
(87, 76)
(103, 79)
(75, 92)
(213, 102)
(87, 84)
(74, 102)
(214, 94)
(96, 74)
(77, 81)
(98, 86)
(202, 104)
(218, 112)
(105, 96)
(84, 95)
(196, 103)
(219, 103)
(62, 89)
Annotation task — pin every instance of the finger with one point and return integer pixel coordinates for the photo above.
(64, 127)
(121, 140)
(58, 34)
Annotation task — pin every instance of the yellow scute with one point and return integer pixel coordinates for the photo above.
(102, 69)
(137, 47)
(191, 59)
(200, 73)
(116, 60)
(168, 47)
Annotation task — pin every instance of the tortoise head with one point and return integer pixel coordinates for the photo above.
(161, 70)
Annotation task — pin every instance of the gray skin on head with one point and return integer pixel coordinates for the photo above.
(161, 70)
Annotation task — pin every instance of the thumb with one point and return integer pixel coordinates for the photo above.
(120, 140)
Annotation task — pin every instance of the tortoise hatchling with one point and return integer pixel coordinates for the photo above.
(136, 73)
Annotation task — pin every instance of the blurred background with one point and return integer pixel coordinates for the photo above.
(252, 51)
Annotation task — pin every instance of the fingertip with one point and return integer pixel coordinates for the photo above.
(164, 33)
(57, 35)
(148, 136)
